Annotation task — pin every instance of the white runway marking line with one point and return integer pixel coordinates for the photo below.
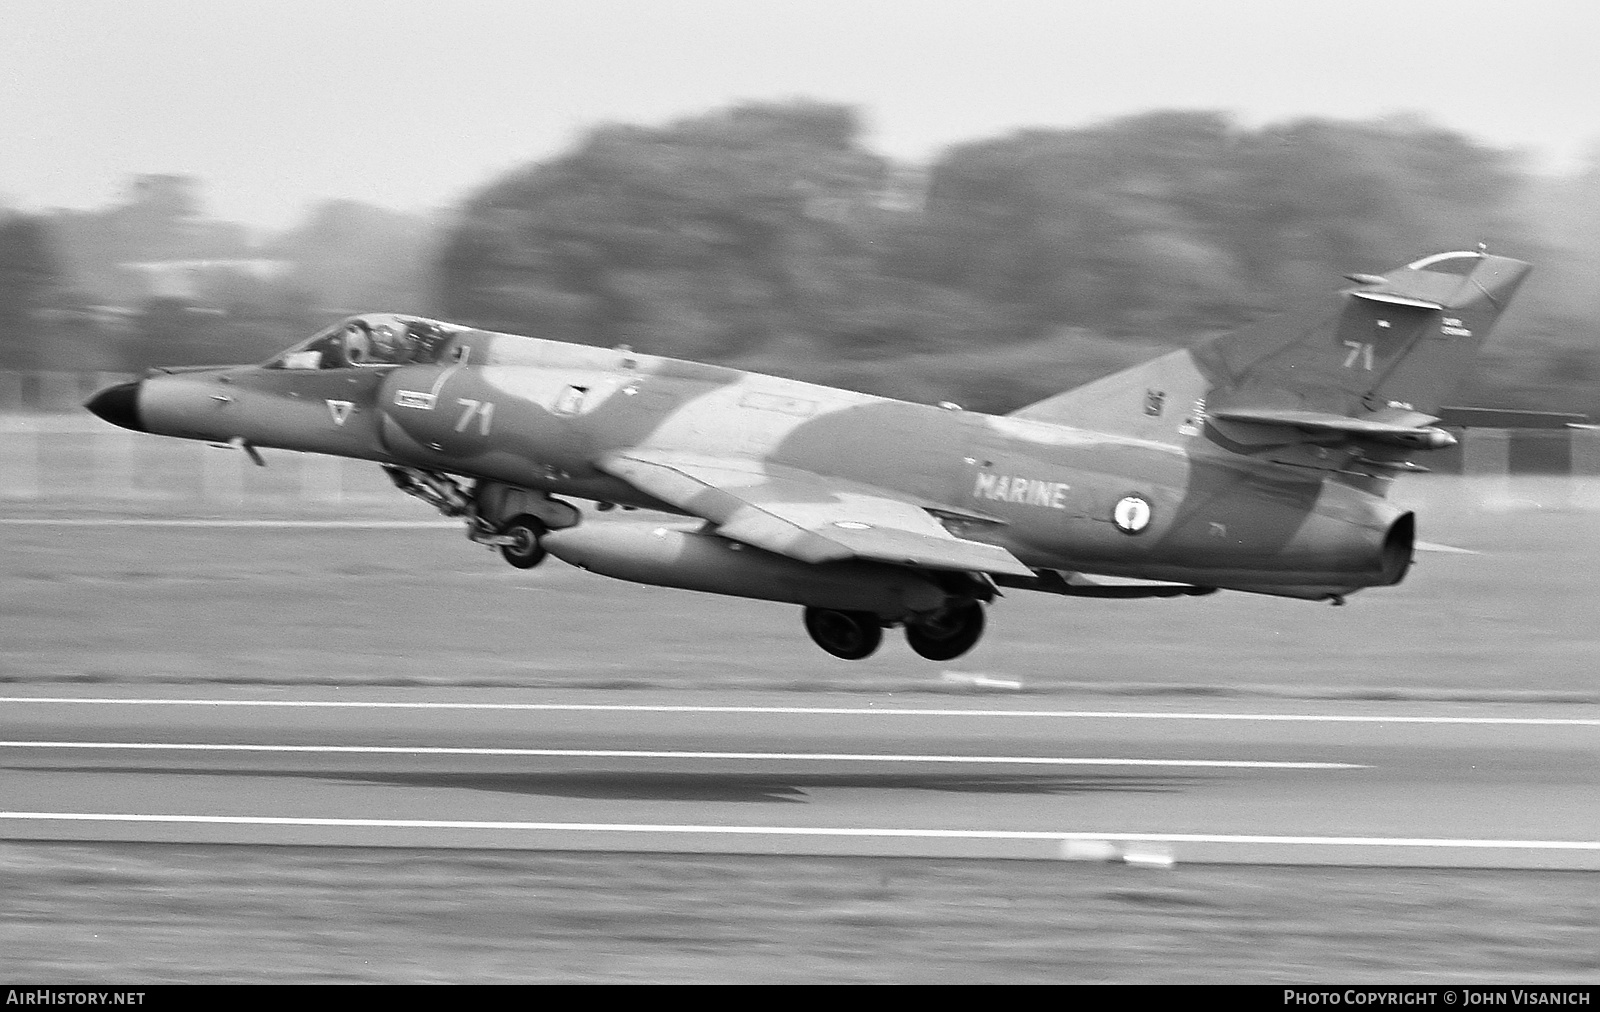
(828, 711)
(836, 831)
(575, 753)
(376, 525)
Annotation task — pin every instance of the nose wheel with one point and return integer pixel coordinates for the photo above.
(520, 541)
(851, 635)
(948, 635)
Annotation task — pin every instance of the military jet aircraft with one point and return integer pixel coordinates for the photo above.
(1257, 461)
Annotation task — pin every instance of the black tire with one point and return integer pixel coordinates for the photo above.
(949, 635)
(528, 551)
(851, 635)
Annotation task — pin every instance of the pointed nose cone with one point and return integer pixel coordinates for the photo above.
(118, 405)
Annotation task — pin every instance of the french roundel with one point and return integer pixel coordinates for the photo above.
(1131, 515)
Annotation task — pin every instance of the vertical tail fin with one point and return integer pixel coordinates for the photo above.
(1387, 353)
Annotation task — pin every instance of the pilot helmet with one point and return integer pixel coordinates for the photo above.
(357, 345)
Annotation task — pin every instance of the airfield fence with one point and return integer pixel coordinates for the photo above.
(52, 451)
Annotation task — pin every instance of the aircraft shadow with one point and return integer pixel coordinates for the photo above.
(643, 786)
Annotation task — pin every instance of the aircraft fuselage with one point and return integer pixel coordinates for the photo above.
(1256, 460)
(539, 415)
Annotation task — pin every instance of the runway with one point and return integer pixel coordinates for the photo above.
(1041, 777)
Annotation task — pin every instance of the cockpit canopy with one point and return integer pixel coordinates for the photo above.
(371, 340)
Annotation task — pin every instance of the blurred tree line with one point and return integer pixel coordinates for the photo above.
(770, 237)
(152, 280)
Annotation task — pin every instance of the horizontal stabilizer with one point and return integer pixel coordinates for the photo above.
(1392, 299)
(1409, 429)
(1510, 418)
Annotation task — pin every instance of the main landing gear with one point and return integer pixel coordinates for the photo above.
(948, 634)
(853, 635)
(514, 520)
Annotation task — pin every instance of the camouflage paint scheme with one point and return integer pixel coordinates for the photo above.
(1257, 461)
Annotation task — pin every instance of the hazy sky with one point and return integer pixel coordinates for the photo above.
(275, 103)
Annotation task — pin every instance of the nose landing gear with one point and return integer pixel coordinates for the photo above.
(520, 541)
(485, 508)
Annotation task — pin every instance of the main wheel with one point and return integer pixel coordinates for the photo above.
(949, 635)
(848, 634)
(526, 550)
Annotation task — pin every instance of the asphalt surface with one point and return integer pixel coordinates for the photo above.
(987, 775)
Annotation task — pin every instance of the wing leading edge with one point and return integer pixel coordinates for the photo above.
(804, 515)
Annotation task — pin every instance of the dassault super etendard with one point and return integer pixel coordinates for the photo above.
(1256, 461)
